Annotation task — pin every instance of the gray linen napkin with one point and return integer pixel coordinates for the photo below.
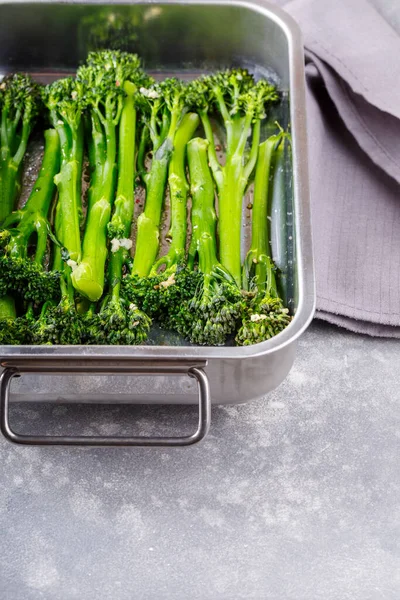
(353, 104)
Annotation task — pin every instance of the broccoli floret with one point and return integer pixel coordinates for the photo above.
(264, 317)
(59, 323)
(119, 323)
(26, 279)
(162, 297)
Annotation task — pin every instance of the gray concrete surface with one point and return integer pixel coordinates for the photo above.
(295, 497)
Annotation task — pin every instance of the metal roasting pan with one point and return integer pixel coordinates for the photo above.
(49, 39)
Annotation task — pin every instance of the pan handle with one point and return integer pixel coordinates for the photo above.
(66, 440)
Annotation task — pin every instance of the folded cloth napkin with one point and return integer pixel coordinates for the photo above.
(353, 105)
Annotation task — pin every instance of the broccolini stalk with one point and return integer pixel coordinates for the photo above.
(265, 315)
(20, 273)
(212, 313)
(120, 321)
(19, 105)
(162, 292)
(164, 105)
(103, 76)
(65, 100)
(240, 102)
(178, 191)
(60, 323)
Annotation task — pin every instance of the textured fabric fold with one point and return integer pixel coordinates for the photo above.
(377, 132)
(365, 327)
(353, 106)
(356, 222)
(358, 43)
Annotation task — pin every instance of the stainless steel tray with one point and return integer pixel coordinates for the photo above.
(47, 38)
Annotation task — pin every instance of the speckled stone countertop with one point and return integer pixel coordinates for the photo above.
(294, 497)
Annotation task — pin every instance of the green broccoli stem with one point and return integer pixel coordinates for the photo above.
(30, 313)
(125, 198)
(88, 277)
(259, 226)
(230, 217)
(124, 202)
(57, 263)
(68, 182)
(259, 256)
(148, 223)
(7, 308)
(9, 186)
(141, 157)
(231, 180)
(67, 290)
(204, 219)
(97, 153)
(33, 217)
(12, 152)
(178, 191)
(279, 236)
(264, 273)
(115, 274)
